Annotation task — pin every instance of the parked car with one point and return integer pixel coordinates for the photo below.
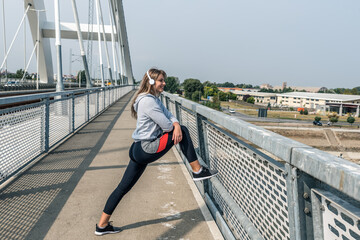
(12, 83)
(231, 110)
(317, 123)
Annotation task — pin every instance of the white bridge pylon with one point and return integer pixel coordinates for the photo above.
(68, 30)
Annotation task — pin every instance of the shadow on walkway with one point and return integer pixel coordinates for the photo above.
(32, 202)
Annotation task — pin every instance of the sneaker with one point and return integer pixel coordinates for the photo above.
(204, 174)
(108, 229)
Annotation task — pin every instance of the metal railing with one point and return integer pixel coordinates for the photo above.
(269, 186)
(29, 130)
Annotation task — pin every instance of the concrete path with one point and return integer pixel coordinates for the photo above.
(62, 196)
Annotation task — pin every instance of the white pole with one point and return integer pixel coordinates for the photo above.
(59, 85)
(70, 61)
(31, 56)
(17, 32)
(25, 44)
(105, 43)
(121, 49)
(82, 51)
(113, 46)
(4, 33)
(38, 50)
(99, 41)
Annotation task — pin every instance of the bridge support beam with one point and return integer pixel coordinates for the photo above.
(45, 60)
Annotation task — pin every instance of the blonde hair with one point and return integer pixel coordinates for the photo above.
(146, 87)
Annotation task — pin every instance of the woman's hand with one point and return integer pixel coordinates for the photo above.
(177, 134)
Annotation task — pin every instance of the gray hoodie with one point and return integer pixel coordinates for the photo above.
(153, 118)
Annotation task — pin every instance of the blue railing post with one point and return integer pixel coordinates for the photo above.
(97, 102)
(167, 103)
(203, 149)
(87, 106)
(177, 112)
(47, 124)
(72, 112)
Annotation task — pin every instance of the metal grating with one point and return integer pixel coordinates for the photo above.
(24, 132)
(21, 137)
(256, 184)
(232, 221)
(80, 111)
(172, 107)
(60, 123)
(188, 119)
(340, 219)
(92, 105)
(101, 101)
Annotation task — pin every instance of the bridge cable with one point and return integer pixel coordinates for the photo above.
(99, 43)
(82, 51)
(31, 56)
(120, 50)
(12, 42)
(113, 23)
(105, 43)
(113, 46)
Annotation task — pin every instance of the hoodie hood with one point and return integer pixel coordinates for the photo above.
(141, 96)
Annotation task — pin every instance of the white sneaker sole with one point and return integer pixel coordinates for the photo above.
(103, 233)
(203, 178)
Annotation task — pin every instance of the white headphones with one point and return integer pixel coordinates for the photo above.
(151, 81)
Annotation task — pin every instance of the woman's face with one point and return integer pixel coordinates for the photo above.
(160, 84)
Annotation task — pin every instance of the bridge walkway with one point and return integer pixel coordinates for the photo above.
(62, 196)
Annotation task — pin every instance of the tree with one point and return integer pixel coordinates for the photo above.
(246, 97)
(250, 100)
(232, 96)
(172, 84)
(20, 73)
(226, 84)
(306, 112)
(317, 119)
(196, 96)
(350, 120)
(222, 96)
(191, 85)
(333, 117)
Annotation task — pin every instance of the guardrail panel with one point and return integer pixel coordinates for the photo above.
(256, 184)
(21, 137)
(60, 120)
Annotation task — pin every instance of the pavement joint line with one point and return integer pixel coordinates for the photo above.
(199, 200)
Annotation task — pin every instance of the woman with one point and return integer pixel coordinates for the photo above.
(157, 130)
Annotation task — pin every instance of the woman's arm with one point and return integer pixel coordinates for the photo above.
(177, 134)
(153, 110)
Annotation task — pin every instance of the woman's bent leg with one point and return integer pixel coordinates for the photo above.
(132, 174)
(187, 146)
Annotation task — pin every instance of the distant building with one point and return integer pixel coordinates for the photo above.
(284, 85)
(340, 103)
(266, 86)
(302, 89)
(229, 89)
(260, 97)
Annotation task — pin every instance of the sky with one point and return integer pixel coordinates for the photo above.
(303, 43)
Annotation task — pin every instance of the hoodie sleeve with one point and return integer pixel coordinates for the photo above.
(154, 111)
(167, 113)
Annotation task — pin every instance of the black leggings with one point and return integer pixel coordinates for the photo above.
(139, 160)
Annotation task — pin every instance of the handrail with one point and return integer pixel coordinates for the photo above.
(31, 97)
(336, 172)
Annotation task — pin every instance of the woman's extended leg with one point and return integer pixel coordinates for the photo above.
(132, 174)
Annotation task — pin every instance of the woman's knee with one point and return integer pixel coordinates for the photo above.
(184, 129)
